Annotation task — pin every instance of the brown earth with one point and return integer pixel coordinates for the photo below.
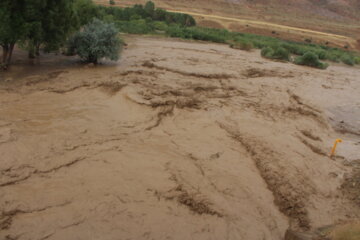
(332, 23)
(178, 140)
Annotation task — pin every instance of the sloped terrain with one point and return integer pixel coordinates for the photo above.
(334, 16)
(178, 140)
(332, 23)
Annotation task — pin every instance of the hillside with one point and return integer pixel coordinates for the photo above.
(334, 10)
(340, 17)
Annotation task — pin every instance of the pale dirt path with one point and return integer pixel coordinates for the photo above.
(178, 140)
(267, 24)
(336, 39)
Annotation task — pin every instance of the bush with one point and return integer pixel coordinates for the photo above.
(357, 60)
(197, 33)
(112, 2)
(281, 54)
(334, 57)
(349, 60)
(296, 49)
(135, 26)
(321, 54)
(242, 45)
(310, 59)
(278, 53)
(267, 52)
(96, 41)
(161, 26)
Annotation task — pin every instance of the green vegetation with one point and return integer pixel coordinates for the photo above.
(196, 33)
(278, 53)
(47, 24)
(267, 52)
(357, 60)
(34, 23)
(349, 60)
(310, 59)
(96, 41)
(242, 45)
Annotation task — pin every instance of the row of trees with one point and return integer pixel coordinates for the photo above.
(32, 24)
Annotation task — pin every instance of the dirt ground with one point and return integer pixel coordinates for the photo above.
(300, 23)
(178, 140)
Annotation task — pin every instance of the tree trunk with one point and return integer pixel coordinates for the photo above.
(5, 53)
(31, 51)
(31, 54)
(11, 48)
(37, 51)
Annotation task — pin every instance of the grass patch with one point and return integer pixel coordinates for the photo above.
(242, 45)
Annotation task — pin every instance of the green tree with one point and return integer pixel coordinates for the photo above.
(32, 23)
(159, 14)
(34, 34)
(58, 21)
(150, 8)
(13, 27)
(96, 41)
(85, 11)
(112, 2)
(49, 24)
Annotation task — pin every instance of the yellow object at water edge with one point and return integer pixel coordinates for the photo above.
(334, 147)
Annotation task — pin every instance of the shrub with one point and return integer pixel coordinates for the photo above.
(161, 26)
(349, 60)
(278, 53)
(334, 57)
(267, 52)
(175, 31)
(197, 33)
(112, 2)
(296, 49)
(96, 41)
(281, 54)
(135, 26)
(310, 59)
(242, 45)
(357, 60)
(321, 54)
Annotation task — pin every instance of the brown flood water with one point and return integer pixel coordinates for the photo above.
(178, 140)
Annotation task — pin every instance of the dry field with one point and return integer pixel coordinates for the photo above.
(178, 140)
(275, 21)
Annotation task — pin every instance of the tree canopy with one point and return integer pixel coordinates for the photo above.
(13, 26)
(32, 23)
(96, 41)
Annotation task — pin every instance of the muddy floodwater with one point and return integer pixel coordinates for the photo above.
(177, 140)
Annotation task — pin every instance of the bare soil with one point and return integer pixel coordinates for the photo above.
(178, 140)
(334, 23)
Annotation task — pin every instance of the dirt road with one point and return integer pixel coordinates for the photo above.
(178, 140)
(283, 31)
